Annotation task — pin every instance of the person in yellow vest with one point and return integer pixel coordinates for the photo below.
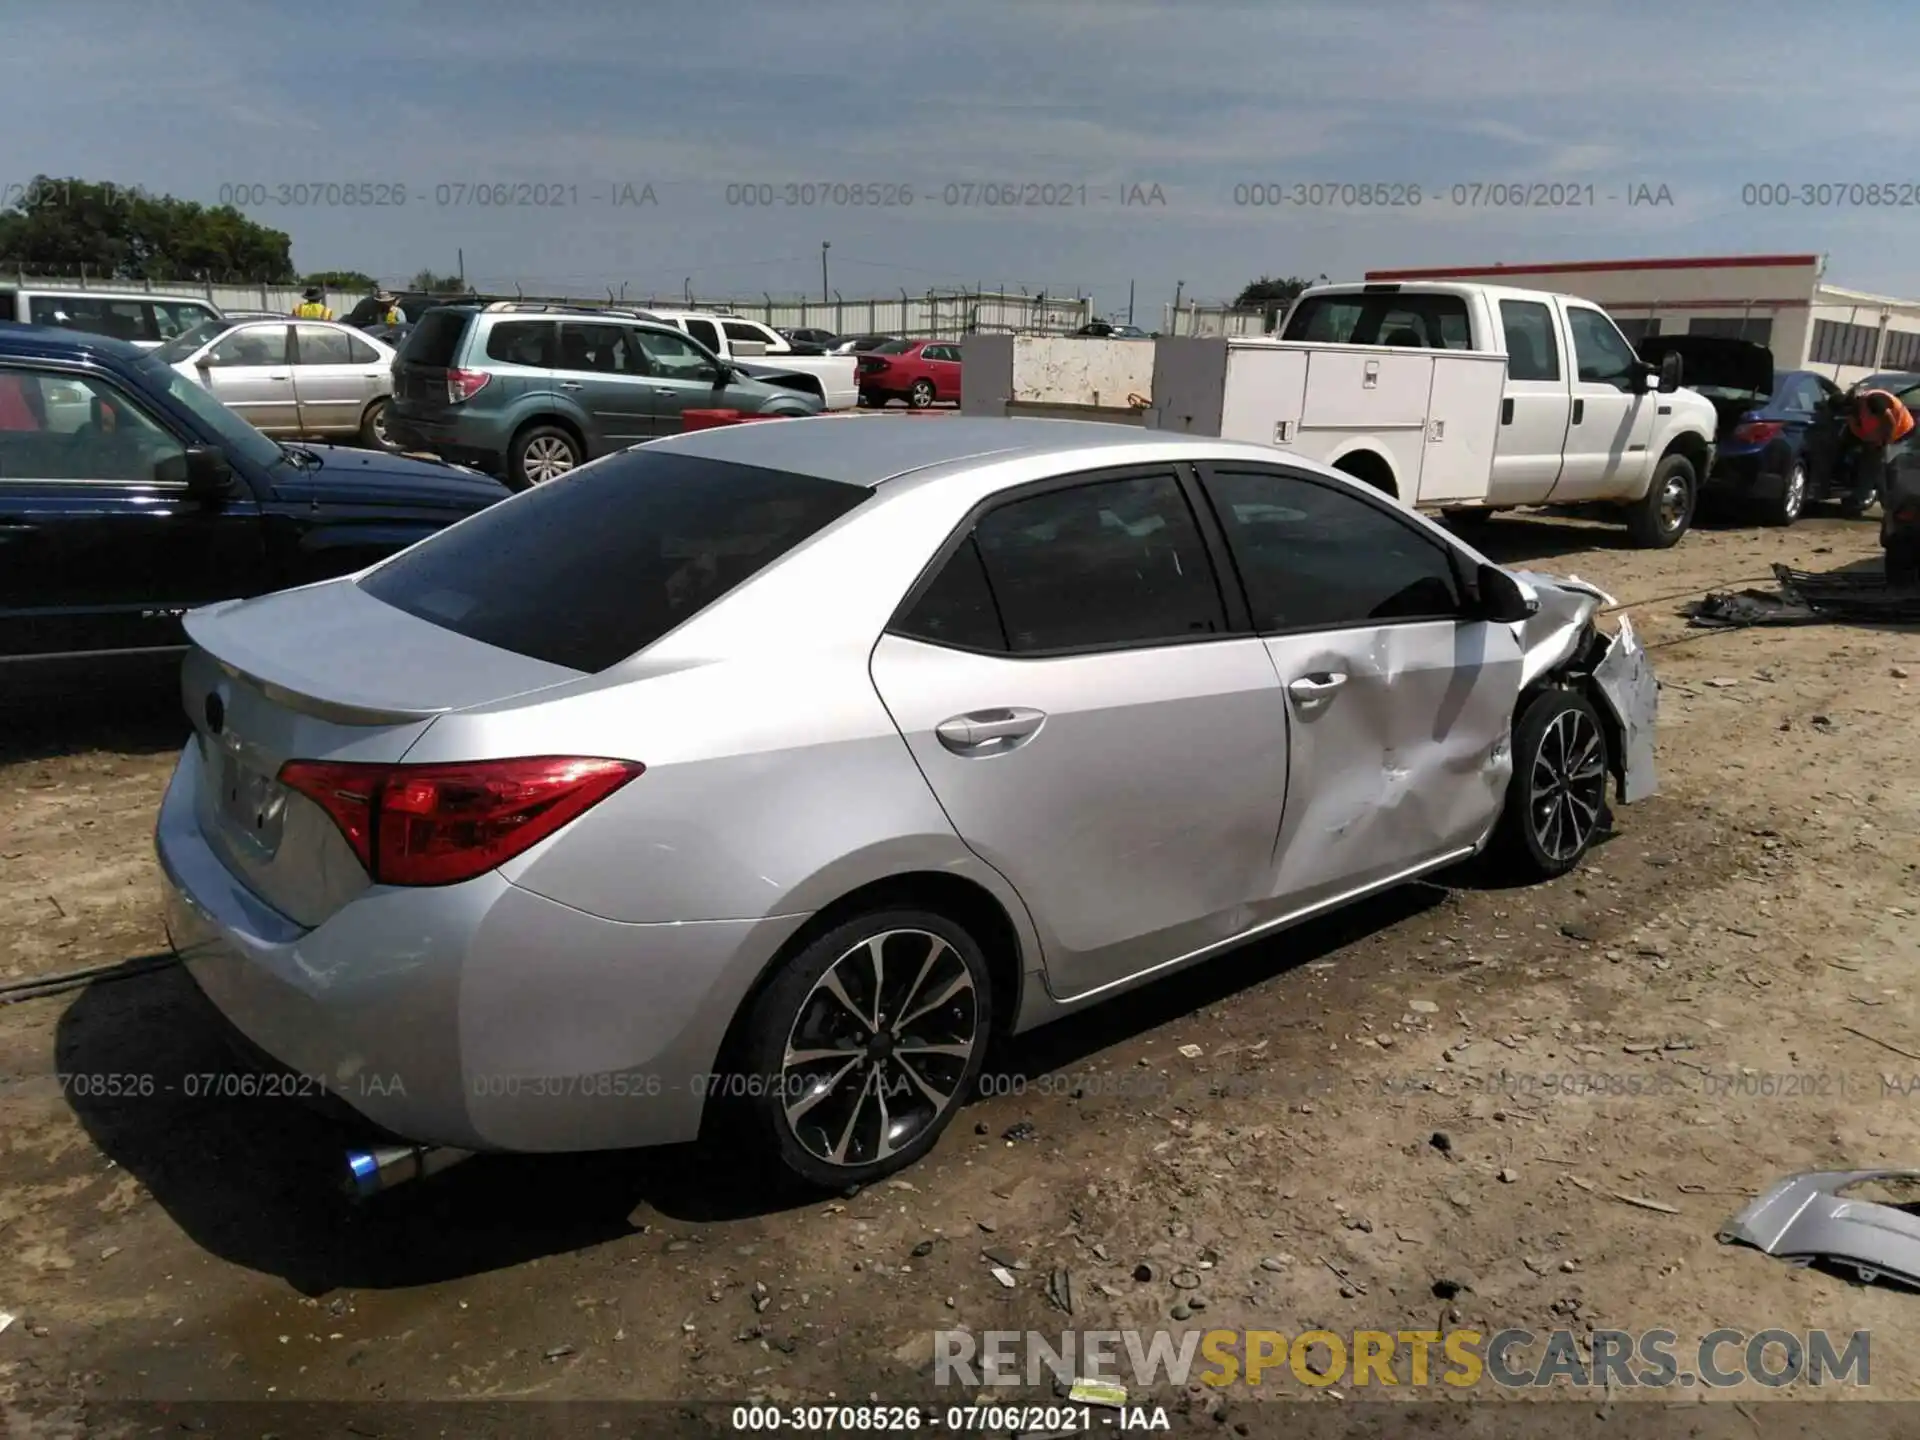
(1879, 422)
(314, 307)
(390, 312)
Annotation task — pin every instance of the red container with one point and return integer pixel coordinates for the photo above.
(708, 419)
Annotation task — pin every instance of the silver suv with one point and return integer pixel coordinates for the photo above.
(529, 391)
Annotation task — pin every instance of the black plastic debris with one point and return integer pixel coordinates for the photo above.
(1804, 598)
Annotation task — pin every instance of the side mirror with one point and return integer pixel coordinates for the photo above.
(1502, 598)
(1669, 373)
(722, 374)
(205, 469)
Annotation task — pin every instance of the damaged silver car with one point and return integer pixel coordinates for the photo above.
(785, 765)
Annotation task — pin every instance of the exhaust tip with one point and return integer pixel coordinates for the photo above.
(363, 1173)
(369, 1172)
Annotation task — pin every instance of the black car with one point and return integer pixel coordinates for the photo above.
(811, 340)
(129, 495)
(370, 314)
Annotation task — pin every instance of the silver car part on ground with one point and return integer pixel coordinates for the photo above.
(1804, 1218)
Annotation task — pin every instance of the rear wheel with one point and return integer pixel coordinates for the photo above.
(1557, 799)
(1658, 519)
(541, 453)
(865, 1045)
(921, 396)
(373, 427)
(1786, 507)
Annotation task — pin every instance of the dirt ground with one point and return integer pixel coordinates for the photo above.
(1441, 1095)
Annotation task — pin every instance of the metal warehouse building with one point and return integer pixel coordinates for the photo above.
(1778, 300)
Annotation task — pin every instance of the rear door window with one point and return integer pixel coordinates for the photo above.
(705, 332)
(1533, 347)
(318, 345)
(119, 319)
(591, 568)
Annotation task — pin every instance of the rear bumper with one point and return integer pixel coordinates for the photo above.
(479, 1015)
(464, 444)
(1747, 475)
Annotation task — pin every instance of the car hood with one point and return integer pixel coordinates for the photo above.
(372, 477)
(1714, 360)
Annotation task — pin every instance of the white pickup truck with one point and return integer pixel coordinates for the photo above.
(1461, 397)
(732, 337)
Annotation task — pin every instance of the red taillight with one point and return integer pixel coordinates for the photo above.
(441, 824)
(874, 363)
(1757, 432)
(465, 384)
(1906, 515)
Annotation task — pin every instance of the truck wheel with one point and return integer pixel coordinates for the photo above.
(1658, 519)
(1786, 507)
(1903, 560)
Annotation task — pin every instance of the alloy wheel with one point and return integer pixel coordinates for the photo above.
(922, 395)
(879, 1048)
(547, 457)
(378, 424)
(1795, 499)
(1568, 786)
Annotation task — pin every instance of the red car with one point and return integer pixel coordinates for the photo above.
(916, 371)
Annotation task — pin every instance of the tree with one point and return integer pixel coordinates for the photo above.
(431, 284)
(125, 233)
(1271, 296)
(341, 280)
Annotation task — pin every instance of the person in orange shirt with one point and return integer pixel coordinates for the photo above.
(1879, 422)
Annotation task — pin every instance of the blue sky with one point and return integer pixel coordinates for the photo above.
(1196, 97)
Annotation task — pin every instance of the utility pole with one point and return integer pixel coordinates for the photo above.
(1130, 302)
(461, 261)
(826, 297)
(1173, 326)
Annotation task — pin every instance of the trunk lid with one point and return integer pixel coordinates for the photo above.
(1718, 362)
(364, 684)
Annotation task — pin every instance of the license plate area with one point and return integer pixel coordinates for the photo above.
(253, 804)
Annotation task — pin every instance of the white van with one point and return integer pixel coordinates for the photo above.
(134, 316)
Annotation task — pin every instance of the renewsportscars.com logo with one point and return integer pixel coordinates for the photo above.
(1456, 1359)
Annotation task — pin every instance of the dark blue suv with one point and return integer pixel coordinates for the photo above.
(129, 495)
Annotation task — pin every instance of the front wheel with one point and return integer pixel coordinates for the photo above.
(1557, 799)
(865, 1045)
(540, 454)
(1658, 519)
(1786, 507)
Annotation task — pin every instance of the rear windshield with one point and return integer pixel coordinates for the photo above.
(1437, 322)
(596, 566)
(436, 339)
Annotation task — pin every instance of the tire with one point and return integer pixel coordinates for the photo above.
(1903, 559)
(921, 955)
(1543, 836)
(373, 428)
(921, 395)
(1464, 518)
(1663, 515)
(1788, 506)
(541, 453)
(870, 401)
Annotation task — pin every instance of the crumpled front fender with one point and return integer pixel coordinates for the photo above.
(1622, 678)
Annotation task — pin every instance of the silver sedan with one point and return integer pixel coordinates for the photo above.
(784, 765)
(288, 377)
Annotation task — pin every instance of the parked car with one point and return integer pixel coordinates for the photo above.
(919, 372)
(863, 344)
(292, 377)
(732, 338)
(826, 340)
(369, 314)
(129, 494)
(529, 392)
(939, 732)
(1777, 446)
(138, 318)
(1108, 330)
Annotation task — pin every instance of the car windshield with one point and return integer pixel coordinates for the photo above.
(236, 436)
(895, 347)
(184, 344)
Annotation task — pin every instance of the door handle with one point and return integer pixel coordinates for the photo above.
(1506, 411)
(1318, 686)
(571, 385)
(663, 390)
(279, 375)
(1579, 409)
(978, 728)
